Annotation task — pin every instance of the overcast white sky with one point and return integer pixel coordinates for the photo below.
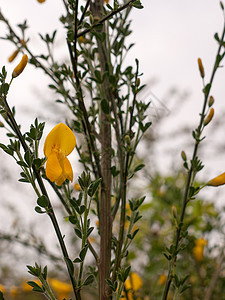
(169, 34)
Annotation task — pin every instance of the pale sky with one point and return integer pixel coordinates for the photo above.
(169, 35)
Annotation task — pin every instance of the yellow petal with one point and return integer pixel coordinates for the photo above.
(68, 169)
(53, 167)
(67, 172)
(201, 242)
(217, 181)
(198, 253)
(20, 67)
(60, 139)
(135, 283)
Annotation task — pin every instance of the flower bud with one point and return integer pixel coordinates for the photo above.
(138, 81)
(23, 43)
(127, 139)
(217, 181)
(77, 187)
(201, 68)
(174, 211)
(209, 117)
(211, 101)
(20, 67)
(41, 1)
(183, 155)
(13, 56)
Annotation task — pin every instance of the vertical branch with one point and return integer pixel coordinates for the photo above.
(105, 133)
(50, 212)
(191, 174)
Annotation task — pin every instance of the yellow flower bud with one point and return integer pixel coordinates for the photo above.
(211, 101)
(20, 67)
(127, 139)
(162, 279)
(83, 40)
(23, 43)
(77, 187)
(13, 56)
(201, 242)
(41, 1)
(198, 253)
(201, 68)
(209, 117)
(183, 155)
(217, 181)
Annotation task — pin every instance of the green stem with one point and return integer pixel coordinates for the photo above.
(185, 199)
(84, 236)
(107, 17)
(47, 288)
(51, 213)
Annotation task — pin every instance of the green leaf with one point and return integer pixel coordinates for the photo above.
(78, 233)
(126, 272)
(82, 209)
(94, 186)
(105, 106)
(89, 231)
(138, 168)
(77, 260)
(83, 252)
(70, 265)
(39, 210)
(43, 201)
(28, 158)
(137, 4)
(22, 164)
(35, 287)
(72, 220)
(89, 280)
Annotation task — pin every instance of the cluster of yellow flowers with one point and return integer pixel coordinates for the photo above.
(132, 285)
(199, 248)
(61, 289)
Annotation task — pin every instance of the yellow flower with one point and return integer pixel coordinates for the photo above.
(77, 187)
(201, 242)
(2, 288)
(133, 282)
(59, 143)
(13, 56)
(198, 253)
(61, 288)
(20, 67)
(217, 181)
(162, 279)
(199, 248)
(14, 292)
